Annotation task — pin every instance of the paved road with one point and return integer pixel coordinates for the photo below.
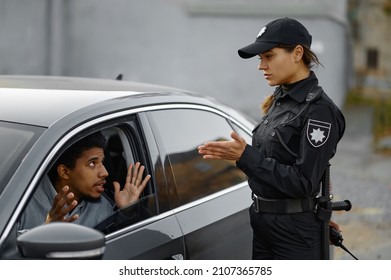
(363, 177)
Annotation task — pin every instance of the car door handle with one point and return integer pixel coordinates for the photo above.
(178, 257)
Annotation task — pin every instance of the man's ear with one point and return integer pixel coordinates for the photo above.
(63, 171)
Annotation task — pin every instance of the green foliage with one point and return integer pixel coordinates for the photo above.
(381, 114)
(387, 7)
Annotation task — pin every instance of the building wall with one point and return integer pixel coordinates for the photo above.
(189, 44)
(24, 41)
(371, 31)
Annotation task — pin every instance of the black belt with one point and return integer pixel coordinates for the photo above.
(283, 206)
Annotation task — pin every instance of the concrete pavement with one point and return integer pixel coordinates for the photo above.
(363, 177)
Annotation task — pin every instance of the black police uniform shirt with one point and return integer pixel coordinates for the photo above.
(293, 143)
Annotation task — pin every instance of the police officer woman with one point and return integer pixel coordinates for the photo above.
(291, 146)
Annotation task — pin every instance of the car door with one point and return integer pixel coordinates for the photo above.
(159, 236)
(211, 197)
(156, 235)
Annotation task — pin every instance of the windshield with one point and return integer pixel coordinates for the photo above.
(16, 140)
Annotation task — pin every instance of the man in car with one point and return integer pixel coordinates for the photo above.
(73, 190)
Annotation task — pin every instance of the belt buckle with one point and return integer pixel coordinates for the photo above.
(256, 203)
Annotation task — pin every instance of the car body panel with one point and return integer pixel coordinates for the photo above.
(210, 236)
(34, 112)
(160, 238)
(69, 109)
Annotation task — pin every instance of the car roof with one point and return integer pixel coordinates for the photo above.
(41, 100)
(76, 83)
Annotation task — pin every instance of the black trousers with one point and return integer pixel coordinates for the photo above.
(286, 236)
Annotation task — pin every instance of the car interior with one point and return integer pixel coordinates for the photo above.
(115, 161)
(118, 156)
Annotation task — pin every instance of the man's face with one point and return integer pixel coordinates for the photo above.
(87, 178)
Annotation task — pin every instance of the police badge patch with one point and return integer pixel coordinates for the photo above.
(318, 132)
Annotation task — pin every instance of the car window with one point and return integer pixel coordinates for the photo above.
(181, 132)
(121, 149)
(242, 133)
(16, 140)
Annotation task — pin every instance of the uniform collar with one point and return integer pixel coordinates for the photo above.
(302, 88)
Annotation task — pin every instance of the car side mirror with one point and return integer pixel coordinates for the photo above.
(60, 240)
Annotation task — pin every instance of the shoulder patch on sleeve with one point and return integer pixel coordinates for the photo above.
(318, 132)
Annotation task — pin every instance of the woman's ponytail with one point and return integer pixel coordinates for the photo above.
(267, 103)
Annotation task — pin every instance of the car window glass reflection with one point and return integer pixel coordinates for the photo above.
(182, 131)
(16, 139)
(135, 212)
(242, 133)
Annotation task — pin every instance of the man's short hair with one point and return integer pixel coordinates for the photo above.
(69, 157)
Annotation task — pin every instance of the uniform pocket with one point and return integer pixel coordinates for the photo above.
(308, 227)
(284, 144)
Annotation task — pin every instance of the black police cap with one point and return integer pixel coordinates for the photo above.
(283, 31)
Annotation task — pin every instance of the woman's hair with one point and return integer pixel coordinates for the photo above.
(309, 58)
(267, 103)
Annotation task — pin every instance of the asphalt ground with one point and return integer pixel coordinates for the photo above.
(364, 178)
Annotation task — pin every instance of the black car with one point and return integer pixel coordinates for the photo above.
(191, 208)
